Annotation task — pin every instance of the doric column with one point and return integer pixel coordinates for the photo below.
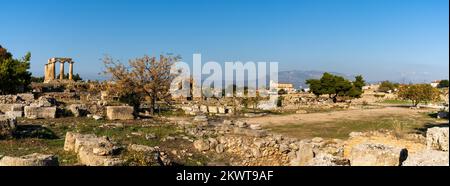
(70, 70)
(61, 71)
(46, 72)
(52, 70)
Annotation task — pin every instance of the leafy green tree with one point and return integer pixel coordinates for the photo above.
(282, 92)
(14, 75)
(37, 79)
(359, 82)
(419, 93)
(443, 84)
(315, 86)
(336, 86)
(387, 86)
(329, 83)
(357, 90)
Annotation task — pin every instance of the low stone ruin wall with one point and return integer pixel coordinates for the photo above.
(101, 151)
(12, 110)
(205, 109)
(19, 98)
(255, 147)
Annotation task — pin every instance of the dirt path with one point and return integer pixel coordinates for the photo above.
(356, 114)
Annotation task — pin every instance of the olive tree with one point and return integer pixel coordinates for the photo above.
(144, 79)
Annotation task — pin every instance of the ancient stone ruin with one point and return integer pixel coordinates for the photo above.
(50, 69)
(35, 159)
(92, 150)
(253, 146)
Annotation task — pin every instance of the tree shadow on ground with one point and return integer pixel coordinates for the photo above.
(33, 131)
(423, 129)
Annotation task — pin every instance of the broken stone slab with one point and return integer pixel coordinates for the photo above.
(92, 150)
(28, 97)
(255, 127)
(14, 114)
(256, 153)
(260, 143)
(112, 125)
(213, 110)
(35, 112)
(201, 145)
(200, 119)
(230, 111)
(89, 158)
(30, 160)
(428, 158)
(304, 155)
(356, 134)
(119, 113)
(98, 145)
(220, 148)
(212, 143)
(150, 136)
(78, 110)
(186, 109)
(301, 112)
(73, 141)
(69, 143)
(369, 154)
(204, 109)
(222, 110)
(317, 140)
(228, 122)
(5, 108)
(97, 117)
(11, 107)
(250, 132)
(437, 138)
(7, 126)
(241, 124)
(17, 107)
(141, 148)
(328, 160)
(44, 102)
(253, 115)
(284, 149)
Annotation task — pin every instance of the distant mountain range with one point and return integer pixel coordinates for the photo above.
(298, 77)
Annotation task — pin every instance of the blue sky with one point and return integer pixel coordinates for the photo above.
(381, 39)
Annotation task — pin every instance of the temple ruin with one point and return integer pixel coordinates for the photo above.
(50, 69)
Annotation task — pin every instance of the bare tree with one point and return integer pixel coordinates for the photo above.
(145, 77)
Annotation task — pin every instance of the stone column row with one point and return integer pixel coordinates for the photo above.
(50, 70)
